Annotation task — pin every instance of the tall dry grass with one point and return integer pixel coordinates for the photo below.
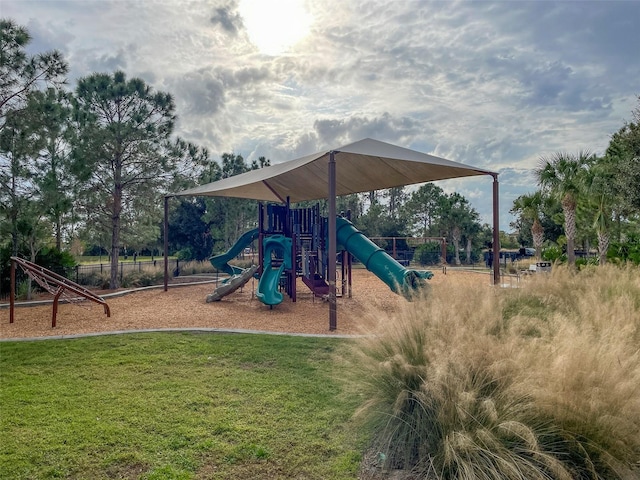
(143, 275)
(540, 382)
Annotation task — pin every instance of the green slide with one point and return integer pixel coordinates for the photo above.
(276, 246)
(221, 262)
(399, 279)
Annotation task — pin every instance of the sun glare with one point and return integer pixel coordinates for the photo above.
(275, 25)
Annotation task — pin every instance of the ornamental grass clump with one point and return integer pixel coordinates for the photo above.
(540, 382)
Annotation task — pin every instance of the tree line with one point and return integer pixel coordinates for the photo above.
(83, 164)
(200, 225)
(588, 200)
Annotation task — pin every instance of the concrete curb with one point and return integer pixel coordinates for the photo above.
(174, 330)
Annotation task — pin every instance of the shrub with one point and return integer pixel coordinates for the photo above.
(22, 289)
(185, 254)
(554, 253)
(143, 278)
(61, 262)
(628, 251)
(428, 254)
(195, 267)
(541, 382)
(586, 261)
(95, 279)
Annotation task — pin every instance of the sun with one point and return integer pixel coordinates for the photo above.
(275, 25)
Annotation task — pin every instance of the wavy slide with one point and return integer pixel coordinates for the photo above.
(221, 262)
(231, 284)
(399, 279)
(276, 246)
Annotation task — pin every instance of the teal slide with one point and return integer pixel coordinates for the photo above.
(399, 279)
(221, 262)
(276, 246)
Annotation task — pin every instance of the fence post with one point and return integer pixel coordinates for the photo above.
(121, 272)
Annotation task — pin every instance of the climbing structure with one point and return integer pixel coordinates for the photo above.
(55, 284)
(293, 243)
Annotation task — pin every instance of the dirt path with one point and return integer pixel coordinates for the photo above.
(185, 307)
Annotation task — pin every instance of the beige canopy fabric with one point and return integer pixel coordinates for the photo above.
(360, 167)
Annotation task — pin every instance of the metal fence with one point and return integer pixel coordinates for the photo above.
(89, 274)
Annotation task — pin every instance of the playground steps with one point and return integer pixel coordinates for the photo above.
(317, 285)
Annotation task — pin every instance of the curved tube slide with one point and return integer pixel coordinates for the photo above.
(221, 262)
(399, 279)
(276, 246)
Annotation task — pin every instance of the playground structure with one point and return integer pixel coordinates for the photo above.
(292, 243)
(361, 166)
(55, 284)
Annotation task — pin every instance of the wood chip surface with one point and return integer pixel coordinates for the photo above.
(185, 307)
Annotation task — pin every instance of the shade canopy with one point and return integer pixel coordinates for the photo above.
(362, 166)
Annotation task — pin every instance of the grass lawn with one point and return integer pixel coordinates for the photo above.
(176, 406)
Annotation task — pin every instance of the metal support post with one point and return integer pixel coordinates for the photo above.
(496, 232)
(333, 313)
(166, 243)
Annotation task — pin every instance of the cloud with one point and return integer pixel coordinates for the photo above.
(45, 37)
(202, 92)
(110, 62)
(492, 84)
(227, 18)
(353, 128)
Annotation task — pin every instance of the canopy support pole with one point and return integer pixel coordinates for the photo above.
(496, 232)
(333, 314)
(166, 243)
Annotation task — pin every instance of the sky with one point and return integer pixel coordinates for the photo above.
(496, 85)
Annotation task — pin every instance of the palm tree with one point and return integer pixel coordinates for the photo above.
(562, 175)
(599, 182)
(601, 223)
(529, 207)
